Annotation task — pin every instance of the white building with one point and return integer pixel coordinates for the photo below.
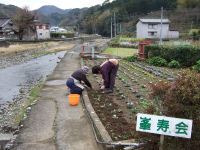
(150, 28)
(58, 30)
(43, 31)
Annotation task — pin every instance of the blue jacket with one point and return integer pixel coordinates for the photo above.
(73, 88)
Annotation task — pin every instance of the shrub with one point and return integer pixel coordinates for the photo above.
(59, 35)
(195, 33)
(157, 61)
(180, 99)
(185, 55)
(197, 66)
(114, 43)
(131, 58)
(174, 64)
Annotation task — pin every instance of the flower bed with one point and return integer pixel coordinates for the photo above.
(118, 110)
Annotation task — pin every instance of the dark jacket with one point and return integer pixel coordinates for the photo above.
(80, 76)
(109, 71)
(73, 88)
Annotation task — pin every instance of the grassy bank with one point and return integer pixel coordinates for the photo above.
(122, 52)
(53, 50)
(17, 48)
(32, 96)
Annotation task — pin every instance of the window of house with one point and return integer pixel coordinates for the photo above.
(152, 33)
(152, 26)
(47, 27)
(40, 34)
(40, 26)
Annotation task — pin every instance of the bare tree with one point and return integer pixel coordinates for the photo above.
(23, 22)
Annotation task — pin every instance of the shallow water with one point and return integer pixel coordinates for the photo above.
(14, 77)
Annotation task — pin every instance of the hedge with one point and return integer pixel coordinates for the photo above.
(186, 55)
(59, 35)
(115, 43)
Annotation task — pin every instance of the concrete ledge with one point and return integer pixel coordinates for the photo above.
(4, 139)
(102, 134)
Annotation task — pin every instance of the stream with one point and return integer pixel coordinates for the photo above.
(13, 78)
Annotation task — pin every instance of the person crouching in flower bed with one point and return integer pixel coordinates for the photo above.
(74, 82)
(108, 70)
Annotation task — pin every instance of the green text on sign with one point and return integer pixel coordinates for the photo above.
(164, 125)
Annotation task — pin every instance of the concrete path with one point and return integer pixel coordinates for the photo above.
(53, 124)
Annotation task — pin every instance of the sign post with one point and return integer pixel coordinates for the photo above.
(164, 125)
(92, 52)
(83, 48)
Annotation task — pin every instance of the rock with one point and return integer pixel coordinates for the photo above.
(127, 85)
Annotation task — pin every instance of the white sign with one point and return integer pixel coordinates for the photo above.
(164, 125)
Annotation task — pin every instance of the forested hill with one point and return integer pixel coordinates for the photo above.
(97, 19)
(183, 14)
(50, 9)
(7, 11)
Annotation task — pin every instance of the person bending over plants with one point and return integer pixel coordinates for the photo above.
(108, 70)
(74, 82)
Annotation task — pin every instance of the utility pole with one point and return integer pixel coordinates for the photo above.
(115, 24)
(120, 27)
(111, 28)
(161, 25)
(192, 24)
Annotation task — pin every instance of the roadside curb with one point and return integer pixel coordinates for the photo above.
(4, 138)
(99, 130)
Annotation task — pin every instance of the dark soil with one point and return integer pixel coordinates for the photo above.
(112, 115)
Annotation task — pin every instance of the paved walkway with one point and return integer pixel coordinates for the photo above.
(52, 123)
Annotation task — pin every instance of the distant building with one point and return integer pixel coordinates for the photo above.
(37, 31)
(6, 27)
(43, 31)
(150, 29)
(58, 30)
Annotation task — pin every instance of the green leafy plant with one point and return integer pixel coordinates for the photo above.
(119, 110)
(197, 66)
(133, 110)
(99, 98)
(174, 64)
(157, 61)
(115, 117)
(103, 106)
(130, 58)
(108, 124)
(125, 137)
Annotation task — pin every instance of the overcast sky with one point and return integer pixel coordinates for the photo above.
(63, 4)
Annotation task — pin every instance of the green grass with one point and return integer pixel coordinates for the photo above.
(54, 123)
(41, 53)
(32, 96)
(122, 52)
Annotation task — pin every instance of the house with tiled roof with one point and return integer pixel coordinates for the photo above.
(151, 29)
(37, 31)
(6, 27)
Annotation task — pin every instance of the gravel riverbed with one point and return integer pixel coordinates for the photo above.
(11, 110)
(19, 58)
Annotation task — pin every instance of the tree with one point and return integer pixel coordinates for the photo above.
(189, 3)
(106, 2)
(23, 22)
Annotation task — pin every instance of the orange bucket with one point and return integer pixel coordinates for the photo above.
(74, 99)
